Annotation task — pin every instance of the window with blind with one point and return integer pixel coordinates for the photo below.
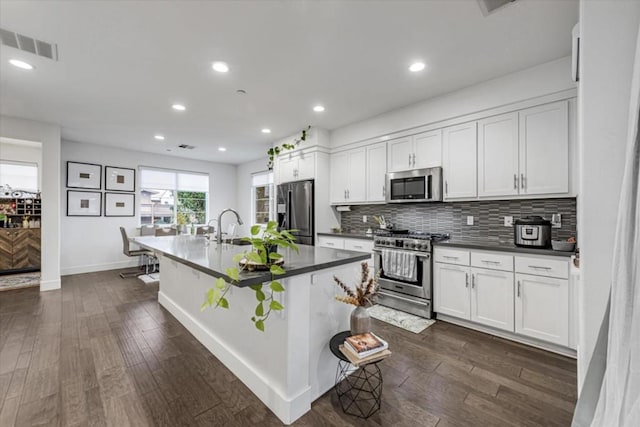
(263, 197)
(173, 197)
(19, 175)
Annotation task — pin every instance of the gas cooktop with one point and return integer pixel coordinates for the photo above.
(415, 241)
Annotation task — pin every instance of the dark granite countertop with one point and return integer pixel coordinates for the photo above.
(496, 245)
(214, 259)
(349, 235)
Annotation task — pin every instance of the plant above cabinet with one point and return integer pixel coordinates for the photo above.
(279, 149)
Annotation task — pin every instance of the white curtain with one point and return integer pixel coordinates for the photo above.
(618, 401)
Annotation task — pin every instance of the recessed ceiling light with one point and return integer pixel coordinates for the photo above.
(21, 64)
(318, 108)
(221, 67)
(159, 137)
(265, 130)
(416, 66)
(178, 107)
(222, 149)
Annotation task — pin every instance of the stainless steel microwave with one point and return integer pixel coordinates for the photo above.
(419, 185)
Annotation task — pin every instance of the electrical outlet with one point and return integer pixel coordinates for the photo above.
(364, 218)
(508, 221)
(556, 221)
(469, 220)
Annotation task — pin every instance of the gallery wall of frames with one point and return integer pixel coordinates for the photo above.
(85, 194)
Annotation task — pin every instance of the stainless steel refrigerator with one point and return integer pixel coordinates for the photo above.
(295, 210)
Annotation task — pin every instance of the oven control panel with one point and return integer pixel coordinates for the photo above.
(419, 245)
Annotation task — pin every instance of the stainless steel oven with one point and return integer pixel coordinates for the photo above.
(410, 291)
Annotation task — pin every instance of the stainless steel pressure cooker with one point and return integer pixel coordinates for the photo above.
(532, 231)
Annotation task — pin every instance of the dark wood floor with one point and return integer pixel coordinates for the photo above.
(101, 351)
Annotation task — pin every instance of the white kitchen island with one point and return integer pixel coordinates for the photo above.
(289, 365)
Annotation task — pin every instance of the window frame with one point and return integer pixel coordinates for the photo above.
(173, 192)
(22, 163)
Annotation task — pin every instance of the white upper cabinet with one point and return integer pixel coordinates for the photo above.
(296, 166)
(339, 165)
(423, 150)
(400, 154)
(544, 149)
(357, 176)
(459, 161)
(348, 176)
(376, 170)
(498, 155)
(427, 147)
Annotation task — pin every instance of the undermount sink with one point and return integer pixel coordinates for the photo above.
(237, 242)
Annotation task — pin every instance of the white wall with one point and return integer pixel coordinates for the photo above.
(18, 151)
(49, 136)
(541, 80)
(608, 31)
(243, 191)
(94, 243)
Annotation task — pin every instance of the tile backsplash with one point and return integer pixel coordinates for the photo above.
(451, 217)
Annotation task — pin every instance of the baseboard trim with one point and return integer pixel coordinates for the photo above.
(92, 268)
(286, 408)
(564, 351)
(50, 285)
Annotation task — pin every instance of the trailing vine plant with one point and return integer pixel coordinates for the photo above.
(263, 252)
(275, 151)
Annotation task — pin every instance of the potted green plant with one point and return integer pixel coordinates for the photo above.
(263, 254)
(276, 150)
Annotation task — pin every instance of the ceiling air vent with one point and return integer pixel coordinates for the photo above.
(29, 44)
(186, 146)
(490, 6)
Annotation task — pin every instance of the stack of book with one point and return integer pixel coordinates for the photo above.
(365, 348)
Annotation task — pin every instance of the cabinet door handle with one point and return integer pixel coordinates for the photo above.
(384, 193)
(414, 159)
(466, 280)
(345, 194)
(409, 160)
(473, 280)
(515, 181)
(449, 257)
(518, 288)
(446, 187)
(539, 266)
(522, 182)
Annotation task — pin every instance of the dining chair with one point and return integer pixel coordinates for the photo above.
(145, 256)
(166, 231)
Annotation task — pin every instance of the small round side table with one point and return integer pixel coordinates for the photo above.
(359, 389)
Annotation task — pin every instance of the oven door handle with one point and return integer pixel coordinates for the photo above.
(426, 255)
(412, 301)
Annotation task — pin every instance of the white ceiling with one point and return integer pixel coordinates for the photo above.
(123, 63)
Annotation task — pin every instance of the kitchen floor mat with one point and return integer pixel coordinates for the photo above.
(400, 319)
(16, 281)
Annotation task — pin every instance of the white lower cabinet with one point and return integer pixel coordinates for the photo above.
(542, 308)
(451, 290)
(505, 295)
(492, 298)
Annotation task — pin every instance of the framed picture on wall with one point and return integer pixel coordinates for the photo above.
(119, 204)
(119, 179)
(84, 203)
(84, 175)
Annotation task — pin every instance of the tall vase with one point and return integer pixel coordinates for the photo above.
(360, 321)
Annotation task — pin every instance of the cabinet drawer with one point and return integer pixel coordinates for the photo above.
(493, 261)
(360, 245)
(451, 256)
(331, 242)
(542, 267)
